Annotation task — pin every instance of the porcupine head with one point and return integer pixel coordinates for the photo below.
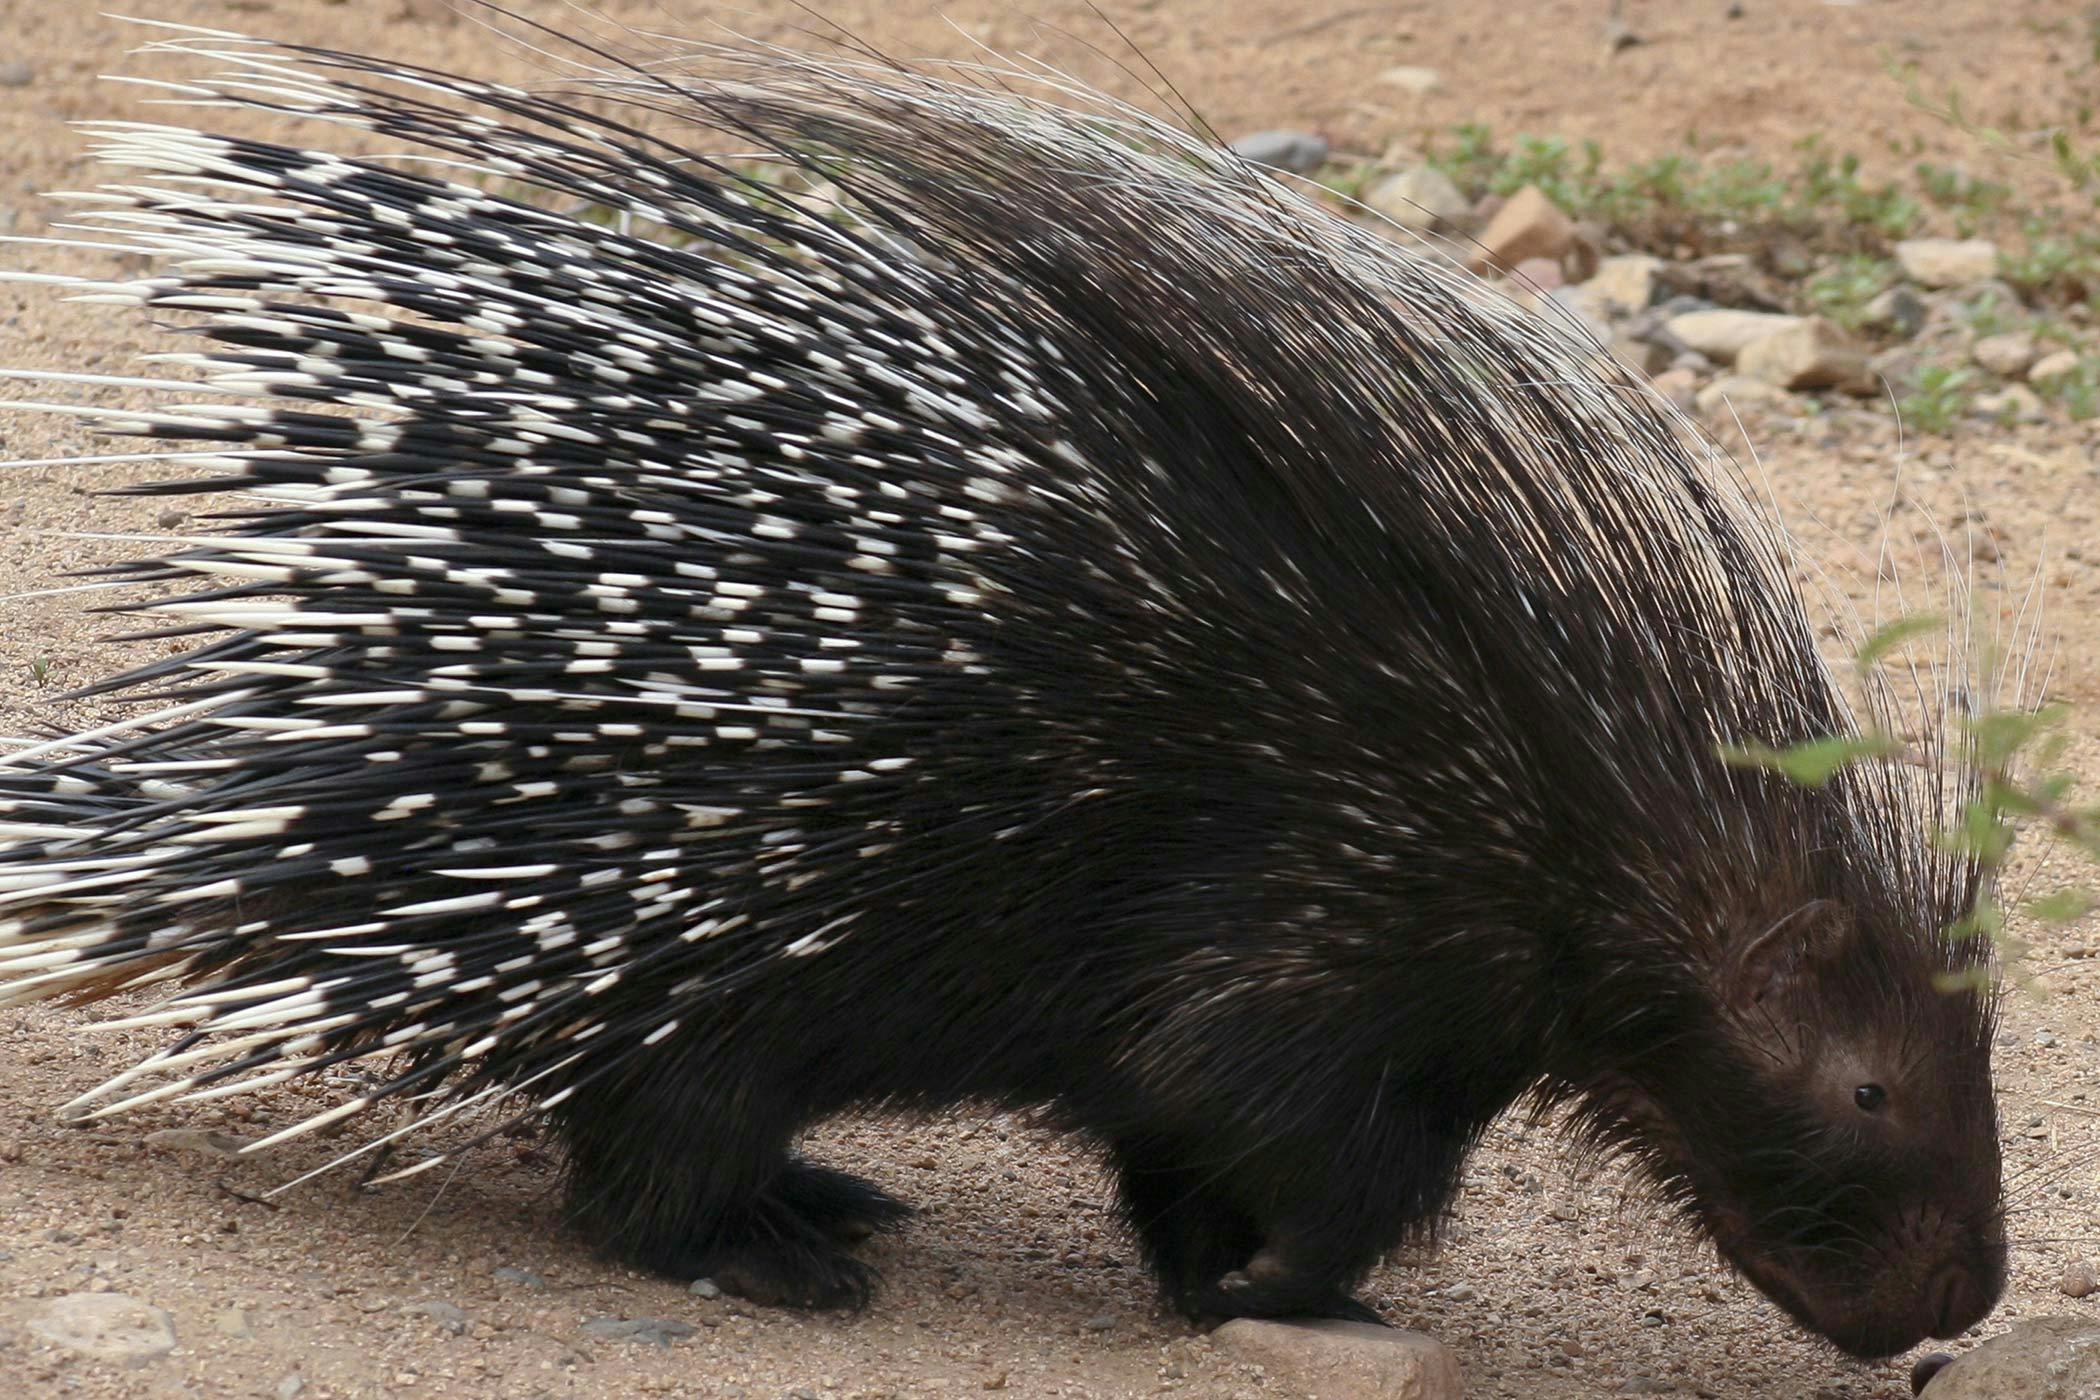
(1810, 1074)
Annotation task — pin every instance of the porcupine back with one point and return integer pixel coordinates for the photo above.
(1071, 582)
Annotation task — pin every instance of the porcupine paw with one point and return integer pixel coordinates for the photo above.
(1267, 1288)
(786, 1247)
(783, 1274)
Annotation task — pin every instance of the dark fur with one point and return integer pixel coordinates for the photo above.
(1328, 763)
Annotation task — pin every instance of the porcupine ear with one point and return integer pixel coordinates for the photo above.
(1772, 963)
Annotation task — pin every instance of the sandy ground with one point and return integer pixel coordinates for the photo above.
(1013, 1277)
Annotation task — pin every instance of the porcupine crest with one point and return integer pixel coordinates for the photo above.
(1075, 583)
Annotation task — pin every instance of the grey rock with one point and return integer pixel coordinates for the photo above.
(657, 1331)
(1420, 199)
(1813, 354)
(107, 1326)
(1720, 334)
(705, 1288)
(2054, 365)
(2007, 355)
(1679, 386)
(207, 1142)
(1627, 283)
(1642, 355)
(1411, 79)
(2048, 1358)
(1539, 275)
(2014, 403)
(2080, 1280)
(1536, 284)
(1345, 1360)
(1720, 401)
(1947, 262)
(1283, 148)
(519, 1278)
(291, 1385)
(448, 1316)
(15, 73)
(1898, 310)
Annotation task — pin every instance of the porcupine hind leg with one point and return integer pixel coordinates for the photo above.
(1214, 1261)
(679, 1188)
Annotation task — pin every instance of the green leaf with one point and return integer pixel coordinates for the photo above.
(1980, 833)
(1884, 640)
(1972, 979)
(2008, 797)
(1986, 920)
(2000, 734)
(1813, 762)
(2063, 907)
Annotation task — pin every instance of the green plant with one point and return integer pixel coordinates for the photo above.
(1990, 312)
(1471, 158)
(2053, 258)
(2076, 392)
(1842, 289)
(1939, 401)
(40, 669)
(1974, 201)
(1825, 181)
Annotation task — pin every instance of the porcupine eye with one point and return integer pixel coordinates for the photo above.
(1870, 1097)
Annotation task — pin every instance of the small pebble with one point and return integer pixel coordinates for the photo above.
(519, 1278)
(450, 1317)
(659, 1331)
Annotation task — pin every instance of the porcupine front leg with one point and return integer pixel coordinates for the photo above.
(1214, 1260)
(689, 1187)
(1290, 1225)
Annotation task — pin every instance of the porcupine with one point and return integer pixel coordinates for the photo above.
(1069, 625)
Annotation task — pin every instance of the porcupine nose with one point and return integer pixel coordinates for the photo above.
(1955, 1299)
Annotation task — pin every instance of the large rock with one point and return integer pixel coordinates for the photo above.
(107, 1326)
(1530, 225)
(1720, 335)
(1947, 262)
(1626, 284)
(1345, 1360)
(2007, 355)
(1421, 199)
(2049, 1358)
(1722, 400)
(1812, 355)
(2054, 365)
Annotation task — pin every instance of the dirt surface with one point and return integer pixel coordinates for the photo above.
(1014, 1277)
